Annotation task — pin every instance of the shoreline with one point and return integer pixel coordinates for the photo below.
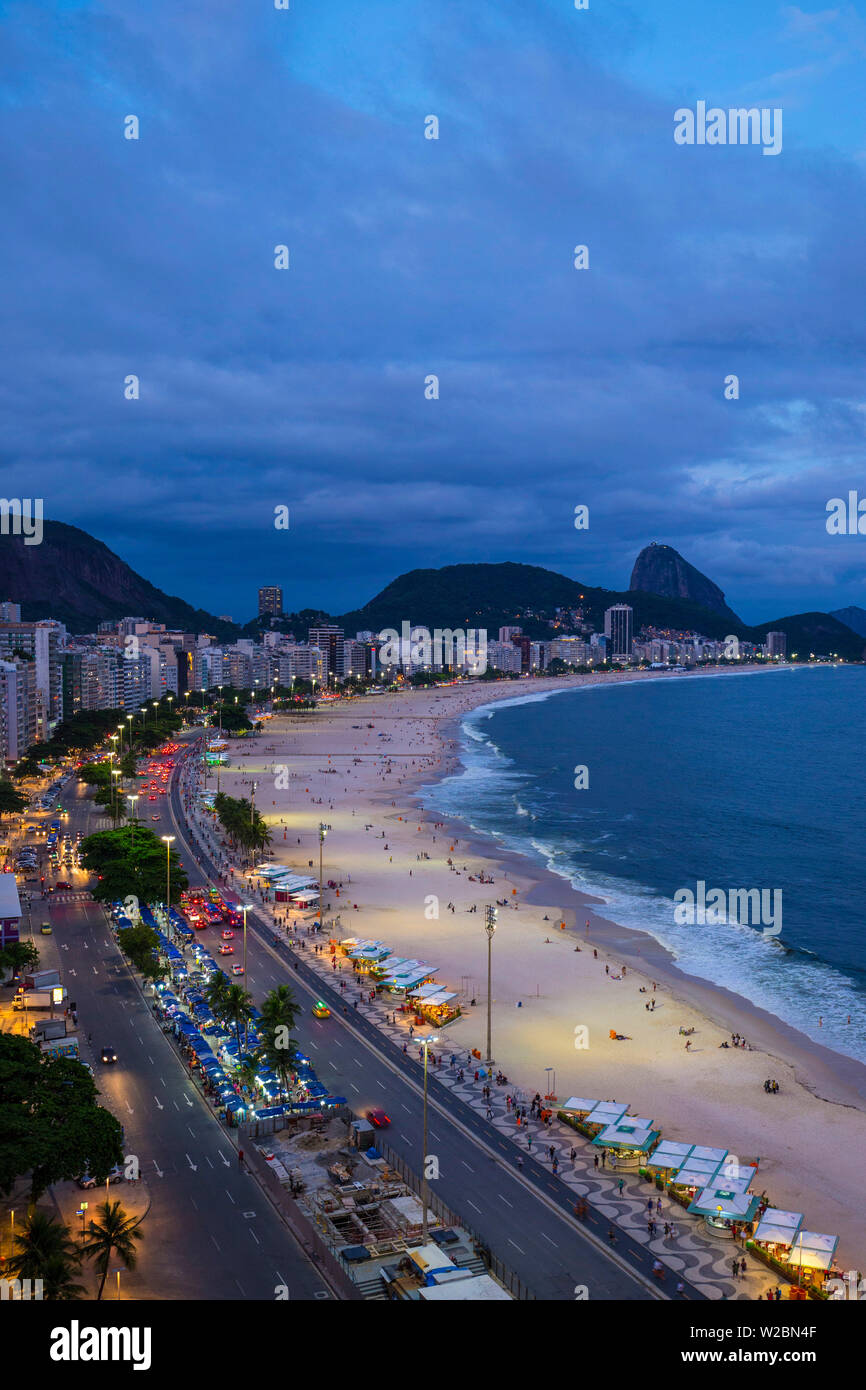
(361, 766)
(840, 1079)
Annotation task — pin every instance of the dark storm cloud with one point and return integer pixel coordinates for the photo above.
(411, 257)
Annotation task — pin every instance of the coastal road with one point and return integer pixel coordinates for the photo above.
(210, 1233)
(526, 1220)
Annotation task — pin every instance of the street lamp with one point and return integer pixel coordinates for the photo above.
(245, 908)
(425, 1043)
(133, 800)
(490, 928)
(168, 842)
(115, 772)
(323, 830)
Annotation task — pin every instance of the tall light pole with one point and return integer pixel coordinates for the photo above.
(425, 1043)
(168, 839)
(245, 907)
(115, 772)
(323, 830)
(490, 928)
(133, 800)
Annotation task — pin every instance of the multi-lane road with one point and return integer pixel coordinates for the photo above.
(526, 1219)
(211, 1232)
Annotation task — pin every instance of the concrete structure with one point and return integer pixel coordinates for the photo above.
(618, 629)
(271, 602)
(18, 708)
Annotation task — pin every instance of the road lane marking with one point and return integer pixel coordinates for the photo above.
(230, 1197)
(516, 1246)
(467, 1165)
(472, 1204)
(354, 1088)
(547, 1237)
(254, 1236)
(505, 1200)
(216, 1243)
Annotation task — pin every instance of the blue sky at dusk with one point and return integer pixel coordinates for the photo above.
(305, 387)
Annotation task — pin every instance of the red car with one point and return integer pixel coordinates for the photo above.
(378, 1118)
(61, 883)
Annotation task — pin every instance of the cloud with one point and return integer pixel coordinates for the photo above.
(412, 257)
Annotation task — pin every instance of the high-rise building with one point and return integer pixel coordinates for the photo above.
(10, 612)
(41, 641)
(18, 708)
(618, 629)
(271, 603)
(329, 638)
(506, 633)
(777, 644)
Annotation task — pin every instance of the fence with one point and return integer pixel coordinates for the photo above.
(497, 1267)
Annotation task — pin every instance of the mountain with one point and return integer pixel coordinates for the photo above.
(659, 569)
(73, 577)
(852, 617)
(494, 596)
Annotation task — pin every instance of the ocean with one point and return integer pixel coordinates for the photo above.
(738, 781)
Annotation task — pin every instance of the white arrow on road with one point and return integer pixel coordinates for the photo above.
(225, 1160)
(159, 1171)
(162, 1107)
(129, 1108)
(192, 1165)
(64, 946)
(188, 1101)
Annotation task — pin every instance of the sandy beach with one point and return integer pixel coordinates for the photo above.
(357, 766)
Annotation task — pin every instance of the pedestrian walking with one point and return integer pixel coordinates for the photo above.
(621, 1185)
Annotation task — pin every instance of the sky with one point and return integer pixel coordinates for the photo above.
(304, 388)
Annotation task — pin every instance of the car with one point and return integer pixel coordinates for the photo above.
(46, 929)
(152, 797)
(237, 970)
(116, 1175)
(321, 1010)
(154, 818)
(227, 935)
(378, 1118)
(226, 950)
(62, 883)
(108, 1054)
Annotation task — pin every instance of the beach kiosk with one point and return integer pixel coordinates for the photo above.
(813, 1253)
(777, 1230)
(630, 1136)
(722, 1206)
(668, 1156)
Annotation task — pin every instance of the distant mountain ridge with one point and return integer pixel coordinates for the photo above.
(659, 569)
(852, 617)
(73, 577)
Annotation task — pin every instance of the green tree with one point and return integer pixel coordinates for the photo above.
(19, 956)
(45, 1250)
(280, 1012)
(140, 945)
(113, 1236)
(237, 1009)
(12, 801)
(50, 1124)
(131, 860)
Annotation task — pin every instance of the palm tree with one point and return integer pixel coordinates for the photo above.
(215, 992)
(116, 1235)
(45, 1250)
(280, 1012)
(237, 1009)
